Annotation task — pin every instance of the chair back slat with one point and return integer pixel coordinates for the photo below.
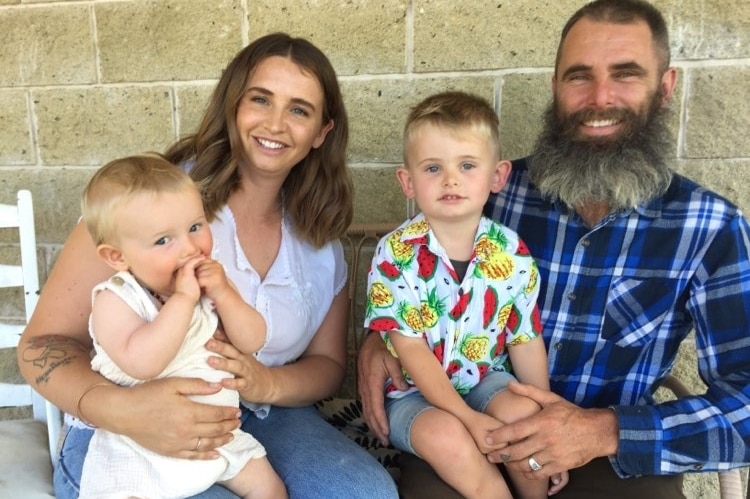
(26, 277)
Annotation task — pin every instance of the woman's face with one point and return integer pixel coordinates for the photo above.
(280, 117)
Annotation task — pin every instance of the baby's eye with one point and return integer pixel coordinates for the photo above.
(161, 241)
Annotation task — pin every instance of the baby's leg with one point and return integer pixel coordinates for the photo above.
(443, 441)
(508, 407)
(257, 480)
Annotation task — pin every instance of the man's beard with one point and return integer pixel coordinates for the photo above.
(621, 171)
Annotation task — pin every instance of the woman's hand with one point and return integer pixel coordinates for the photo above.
(174, 425)
(253, 380)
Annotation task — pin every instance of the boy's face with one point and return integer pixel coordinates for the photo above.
(157, 235)
(451, 173)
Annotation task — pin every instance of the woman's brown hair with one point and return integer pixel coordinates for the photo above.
(317, 193)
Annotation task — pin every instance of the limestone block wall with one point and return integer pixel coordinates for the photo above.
(83, 82)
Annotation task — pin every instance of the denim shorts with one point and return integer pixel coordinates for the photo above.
(403, 411)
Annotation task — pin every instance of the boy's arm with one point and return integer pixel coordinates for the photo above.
(242, 323)
(142, 349)
(529, 361)
(428, 375)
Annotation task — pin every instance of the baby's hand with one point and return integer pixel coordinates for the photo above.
(185, 279)
(212, 279)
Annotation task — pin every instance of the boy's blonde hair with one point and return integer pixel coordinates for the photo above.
(118, 182)
(455, 111)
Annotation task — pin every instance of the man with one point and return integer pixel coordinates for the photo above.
(632, 258)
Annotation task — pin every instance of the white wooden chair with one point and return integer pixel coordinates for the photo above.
(28, 447)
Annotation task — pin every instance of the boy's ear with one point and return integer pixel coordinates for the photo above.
(111, 256)
(404, 178)
(500, 177)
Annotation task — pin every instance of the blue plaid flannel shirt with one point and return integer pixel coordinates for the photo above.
(617, 300)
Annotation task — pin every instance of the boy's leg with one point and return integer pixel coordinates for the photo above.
(315, 460)
(443, 441)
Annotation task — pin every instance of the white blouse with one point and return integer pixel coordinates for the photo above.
(295, 295)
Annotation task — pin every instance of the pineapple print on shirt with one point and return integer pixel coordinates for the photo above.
(413, 289)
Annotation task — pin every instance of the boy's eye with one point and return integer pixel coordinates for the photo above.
(467, 166)
(432, 168)
(195, 227)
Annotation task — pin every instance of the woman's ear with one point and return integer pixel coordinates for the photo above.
(322, 135)
(112, 256)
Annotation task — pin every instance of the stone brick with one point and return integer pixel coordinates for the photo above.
(524, 100)
(56, 193)
(718, 113)
(707, 30)
(191, 106)
(16, 147)
(90, 126)
(484, 34)
(357, 36)
(730, 178)
(378, 109)
(153, 40)
(377, 195)
(46, 45)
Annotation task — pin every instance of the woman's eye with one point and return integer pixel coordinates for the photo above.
(300, 111)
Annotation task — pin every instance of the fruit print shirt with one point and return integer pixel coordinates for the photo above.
(412, 288)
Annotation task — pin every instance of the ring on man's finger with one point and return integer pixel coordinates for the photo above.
(198, 444)
(534, 465)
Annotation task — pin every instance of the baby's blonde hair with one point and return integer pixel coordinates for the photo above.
(118, 182)
(457, 112)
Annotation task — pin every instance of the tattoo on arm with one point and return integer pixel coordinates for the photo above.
(47, 353)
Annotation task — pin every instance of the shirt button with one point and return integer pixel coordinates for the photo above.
(585, 243)
(558, 345)
(572, 296)
(697, 467)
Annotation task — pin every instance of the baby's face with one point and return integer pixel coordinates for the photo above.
(159, 233)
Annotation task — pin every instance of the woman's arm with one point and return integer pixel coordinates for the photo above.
(316, 375)
(53, 356)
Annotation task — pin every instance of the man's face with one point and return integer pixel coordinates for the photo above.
(605, 139)
(607, 80)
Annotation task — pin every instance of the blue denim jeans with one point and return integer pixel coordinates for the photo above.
(402, 412)
(312, 458)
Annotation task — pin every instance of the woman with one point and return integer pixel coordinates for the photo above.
(269, 158)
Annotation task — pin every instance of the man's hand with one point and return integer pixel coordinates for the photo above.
(374, 366)
(560, 437)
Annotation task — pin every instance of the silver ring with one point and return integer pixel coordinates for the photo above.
(534, 465)
(197, 445)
